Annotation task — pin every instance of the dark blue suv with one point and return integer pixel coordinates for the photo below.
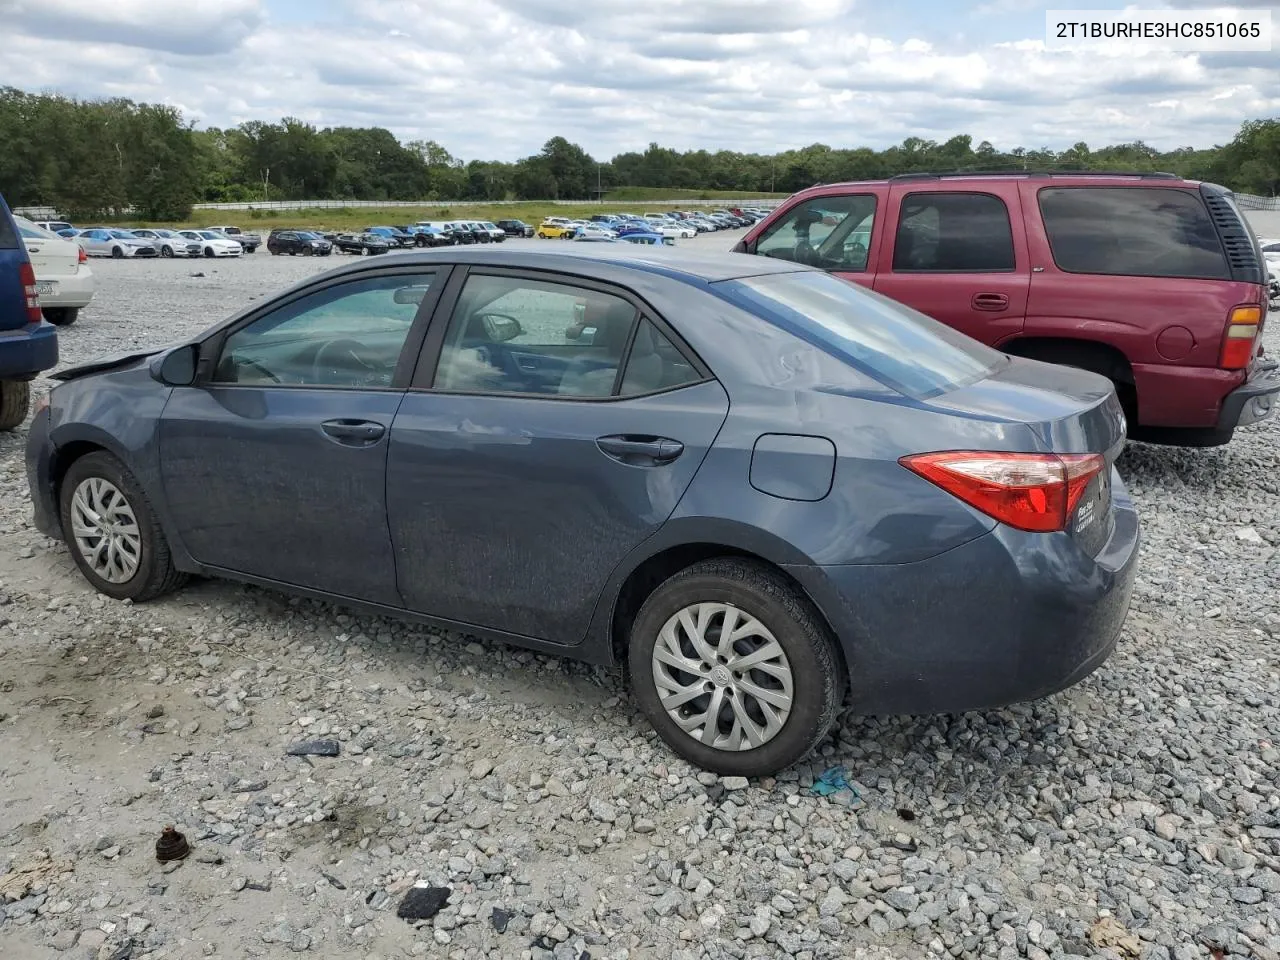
(28, 344)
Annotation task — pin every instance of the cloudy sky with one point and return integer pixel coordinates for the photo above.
(495, 78)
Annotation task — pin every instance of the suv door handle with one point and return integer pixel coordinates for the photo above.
(989, 301)
(640, 450)
(354, 432)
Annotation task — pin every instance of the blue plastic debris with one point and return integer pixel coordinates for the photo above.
(835, 780)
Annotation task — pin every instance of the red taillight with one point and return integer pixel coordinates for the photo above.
(1238, 341)
(1029, 491)
(84, 257)
(27, 277)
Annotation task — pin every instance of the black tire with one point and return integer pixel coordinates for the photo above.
(62, 316)
(308, 252)
(117, 253)
(208, 252)
(155, 574)
(818, 681)
(15, 401)
(166, 251)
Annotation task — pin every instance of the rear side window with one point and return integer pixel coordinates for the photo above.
(891, 343)
(953, 233)
(1132, 231)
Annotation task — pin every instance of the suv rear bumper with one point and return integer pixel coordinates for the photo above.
(28, 350)
(1254, 400)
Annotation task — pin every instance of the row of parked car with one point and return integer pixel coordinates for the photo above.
(671, 225)
(121, 243)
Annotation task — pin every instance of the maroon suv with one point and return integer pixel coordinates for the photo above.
(1154, 281)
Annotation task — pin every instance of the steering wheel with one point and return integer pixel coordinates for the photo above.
(321, 364)
(255, 365)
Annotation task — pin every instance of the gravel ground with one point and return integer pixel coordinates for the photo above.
(1136, 815)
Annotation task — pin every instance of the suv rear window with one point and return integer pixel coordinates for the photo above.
(905, 350)
(1132, 231)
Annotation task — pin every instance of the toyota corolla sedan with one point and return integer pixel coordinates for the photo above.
(758, 486)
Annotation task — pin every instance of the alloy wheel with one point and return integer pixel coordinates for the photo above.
(723, 677)
(105, 530)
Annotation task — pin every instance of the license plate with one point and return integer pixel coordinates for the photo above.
(45, 288)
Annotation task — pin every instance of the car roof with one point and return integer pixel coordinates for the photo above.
(681, 264)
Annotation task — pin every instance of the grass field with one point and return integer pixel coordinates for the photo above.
(357, 218)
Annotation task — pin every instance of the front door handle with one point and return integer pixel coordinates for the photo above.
(33, 249)
(354, 432)
(990, 301)
(640, 450)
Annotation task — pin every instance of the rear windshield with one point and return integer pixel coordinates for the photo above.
(905, 350)
(1132, 231)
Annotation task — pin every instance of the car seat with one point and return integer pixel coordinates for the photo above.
(592, 372)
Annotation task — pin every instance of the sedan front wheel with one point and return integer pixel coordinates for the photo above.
(112, 532)
(734, 668)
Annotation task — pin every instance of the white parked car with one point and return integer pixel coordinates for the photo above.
(117, 244)
(214, 244)
(54, 226)
(595, 230)
(64, 281)
(170, 242)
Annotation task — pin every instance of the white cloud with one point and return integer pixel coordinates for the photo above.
(496, 78)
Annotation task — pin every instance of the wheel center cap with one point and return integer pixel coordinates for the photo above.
(721, 676)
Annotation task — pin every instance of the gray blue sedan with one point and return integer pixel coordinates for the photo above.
(761, 488)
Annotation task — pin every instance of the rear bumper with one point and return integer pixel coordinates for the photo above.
(28, 350)
(1182, 397)
(1008, 617)
(71, 291)
(1252, 401)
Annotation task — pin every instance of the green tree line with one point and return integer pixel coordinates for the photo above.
(91, 158)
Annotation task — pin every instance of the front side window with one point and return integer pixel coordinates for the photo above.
(1132, 231)
(953, 233)
(512, 335)
(349, 335)
(829, 232)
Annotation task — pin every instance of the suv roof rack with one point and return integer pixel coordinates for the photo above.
(1145, 174)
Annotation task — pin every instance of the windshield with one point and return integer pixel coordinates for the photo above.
(123, 235)
(903, 349)
(209, 235)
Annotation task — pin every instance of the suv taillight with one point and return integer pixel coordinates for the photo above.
(82, 256)
(27, 277)
(1238, 340)
(1029, 491)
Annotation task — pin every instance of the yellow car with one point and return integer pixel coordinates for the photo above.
(554, 228)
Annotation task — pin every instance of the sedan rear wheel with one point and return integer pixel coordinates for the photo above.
(734, 668)
(112, 532)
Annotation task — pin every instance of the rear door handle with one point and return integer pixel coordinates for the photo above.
(989, 301)
(33, 249)
(640, 450)
(354, 432)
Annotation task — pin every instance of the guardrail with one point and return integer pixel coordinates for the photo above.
(1248, 201)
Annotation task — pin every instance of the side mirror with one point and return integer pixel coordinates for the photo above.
(411, 295)
(500, 328)
(177, 368)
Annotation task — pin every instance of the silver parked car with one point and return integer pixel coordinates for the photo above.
(170, 242)
(108, 242)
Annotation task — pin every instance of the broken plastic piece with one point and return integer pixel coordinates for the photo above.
(835, 780)
(315, 748)
(423, 903)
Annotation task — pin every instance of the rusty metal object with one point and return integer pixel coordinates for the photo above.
(171, 846)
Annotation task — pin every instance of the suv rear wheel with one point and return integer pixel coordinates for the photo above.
(15, 400)
(734, 668)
